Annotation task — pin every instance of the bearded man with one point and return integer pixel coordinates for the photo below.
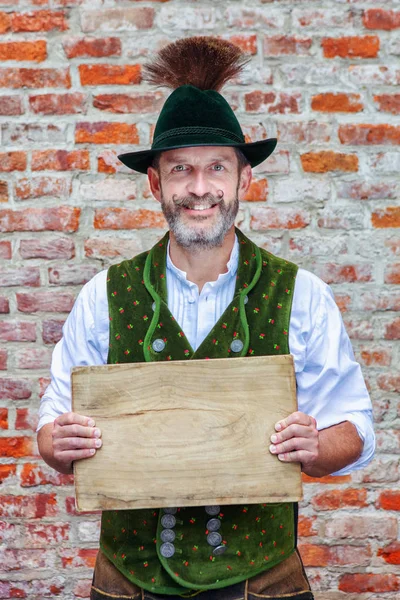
(205, 280)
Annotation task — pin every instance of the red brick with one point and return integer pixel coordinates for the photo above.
(122, 18)
(4, 305)
(124, 218)
(29, 276)
(335, 499)
(12, 161)
(5, 22)
(369, 582)
(369, 134)
(389, 383)
(7, 471)
(16, 447)
(379, 301)
(359, 329)
(326, 160)
(304, 131)
(44, 302)
(33, 358)
(42, 535)
(29, 507)
(271, 102)
(247, 43)
(387, 441)
(16, 559)
(60, 160)
(57, 248)
(40, 187)
(378, 18)
(34, 474)
(340, 102)
(363, 190)
(11, 106)
(3, 425)
(343, 301)
(111, 247)
(96, 47)
(36, 51)
(375, 357)
(264, 218)
(44, 382)
(40, 20)
(315, 555)
(392, 330)
(391, 553)
(361, 527)
(388, 103)
(58, 104)
(306, 526)
(26, 418)
(106, 133)
(389, 500)
(62, 218)
(103, 74)
(351, 47)
(129, 103)
(386, 217)
(334, 273)
(34, 78)
(15, 389)
(5, 250)
(72, 274)
(52, 331)
(17, 331)
(78, 557)
(258, 191)
(392, 273)
(279, 45)
(83, 586)
(3, 191)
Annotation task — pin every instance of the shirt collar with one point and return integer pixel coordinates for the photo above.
(232, 266)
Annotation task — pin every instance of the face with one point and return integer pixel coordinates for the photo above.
(199, 189)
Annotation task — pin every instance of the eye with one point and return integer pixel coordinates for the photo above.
(218, 167)
(179, 168)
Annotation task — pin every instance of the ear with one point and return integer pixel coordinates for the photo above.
(154, 182)
(245, 180)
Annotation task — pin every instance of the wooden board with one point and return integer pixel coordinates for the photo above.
(185, 433)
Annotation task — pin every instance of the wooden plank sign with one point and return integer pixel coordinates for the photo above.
(185, 433)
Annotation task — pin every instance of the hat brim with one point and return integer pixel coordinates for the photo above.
(255, 152)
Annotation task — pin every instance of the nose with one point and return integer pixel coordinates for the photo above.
(198, 184)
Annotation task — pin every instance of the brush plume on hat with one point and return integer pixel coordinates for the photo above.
(195, 113)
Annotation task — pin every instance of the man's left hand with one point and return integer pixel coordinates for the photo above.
(296, 440)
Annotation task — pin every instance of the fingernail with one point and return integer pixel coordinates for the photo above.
(92, 450)
(274, 439)
(281, 456)
(91, 423)
(97, 433)
(98, 443)
(272, 449)
(278, 427)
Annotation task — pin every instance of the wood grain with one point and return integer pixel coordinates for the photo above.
(185, 433)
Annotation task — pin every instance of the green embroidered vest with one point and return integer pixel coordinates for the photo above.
(256, 537)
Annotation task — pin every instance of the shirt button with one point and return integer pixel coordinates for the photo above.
(167, 550)
(158, 345)
(191, 300)
(237, 346)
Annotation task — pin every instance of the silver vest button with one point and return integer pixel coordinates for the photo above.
(213, 524)
(153, 306)
(158, 345)
(219, 550)
(237, 346)
(212, 510)
(167, 550)
(246, 299)
(167, 535)
(214, 538)
(168, 521)
(170, 511)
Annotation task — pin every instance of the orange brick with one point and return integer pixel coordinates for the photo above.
(334, 499)
(337, 103)
(392, 273)
(369, 134)
(106, 133)
(11, 105)
(61, 218)
(60, 160)
(3, 423)
(326, 479)
(123, 218)
(369, 582)
(388, 103)
(35, 78)
(82, 557)
(40, 20)
(5, 22)
(258, 101)
(315, 555)
(351, 47)
(58, 104)
(377, 18)
(7, 471)
(36, 51)
(33, 474)
(12, 161)
(392, 330)
(3, 191)
(279, 45)
(16, 447)
(129, 103)
(97, 47)
(324, 161)
(247, 43)
(391, 553)
(38, 187)
(389, 500)
(110, 74)
(380, 357)
(258, 191)
(306, 526)
(386, 217)
(264, 218)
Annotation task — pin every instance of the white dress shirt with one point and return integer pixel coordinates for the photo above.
(330, 385)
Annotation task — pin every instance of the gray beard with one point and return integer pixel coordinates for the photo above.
(207, 237)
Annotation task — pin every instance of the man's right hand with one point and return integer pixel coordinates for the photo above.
(70, 437)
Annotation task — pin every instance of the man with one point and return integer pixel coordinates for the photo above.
(205, 283)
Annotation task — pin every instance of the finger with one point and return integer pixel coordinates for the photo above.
(71, 455)
(294, 444)
(298, 456)
(70, 418)
(78, 443)
(75, 430)
(294, 431)
(296, 417)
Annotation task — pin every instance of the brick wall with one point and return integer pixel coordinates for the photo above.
(324, 78)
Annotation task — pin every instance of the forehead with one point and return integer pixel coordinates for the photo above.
(199, 154)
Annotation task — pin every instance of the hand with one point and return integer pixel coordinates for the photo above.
(74, 437)
(296, 440)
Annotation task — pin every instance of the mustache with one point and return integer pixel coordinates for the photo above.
(189, 201)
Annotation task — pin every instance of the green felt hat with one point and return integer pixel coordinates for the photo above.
(197, 117)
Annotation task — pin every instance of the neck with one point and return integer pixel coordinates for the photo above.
(202, 265)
